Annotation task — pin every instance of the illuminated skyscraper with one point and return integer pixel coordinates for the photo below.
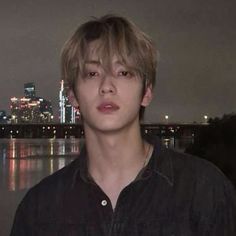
(67, 113)
(46, 110)
(62, 98)
(29, 90)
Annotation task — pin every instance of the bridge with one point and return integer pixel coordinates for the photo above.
(55, 130)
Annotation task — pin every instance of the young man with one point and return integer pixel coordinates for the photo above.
(123, 184)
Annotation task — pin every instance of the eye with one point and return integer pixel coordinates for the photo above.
(125, 74)
(91, 74)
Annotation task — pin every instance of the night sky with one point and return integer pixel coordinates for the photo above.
(196, 40)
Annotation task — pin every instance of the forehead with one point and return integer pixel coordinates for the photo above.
(98, 53)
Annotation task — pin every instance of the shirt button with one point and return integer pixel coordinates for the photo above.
(104, 202)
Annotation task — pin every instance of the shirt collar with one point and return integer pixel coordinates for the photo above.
(160, 162)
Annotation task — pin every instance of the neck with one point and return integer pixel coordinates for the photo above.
(116, 154)
(115, 158)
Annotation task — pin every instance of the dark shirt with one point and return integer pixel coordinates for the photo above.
(175, 195)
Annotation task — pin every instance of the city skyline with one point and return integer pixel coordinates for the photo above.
(196, 41)
(31, 108)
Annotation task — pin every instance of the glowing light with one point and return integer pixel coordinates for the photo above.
(205, 118)
(14, 99)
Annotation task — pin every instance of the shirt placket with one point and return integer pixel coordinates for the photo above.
(113, 218)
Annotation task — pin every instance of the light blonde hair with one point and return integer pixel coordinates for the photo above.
(115, 36)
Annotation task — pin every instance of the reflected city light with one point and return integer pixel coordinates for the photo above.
(12, 175)
(61, 163)
(51, 147)
(26, 161)
(51, 166)
(13, 148)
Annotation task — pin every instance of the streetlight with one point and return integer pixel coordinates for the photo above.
(13, 117)
(205, 119)
(166, 118)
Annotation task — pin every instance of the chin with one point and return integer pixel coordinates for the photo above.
(105, 127)
(109, 128)
(111, 124)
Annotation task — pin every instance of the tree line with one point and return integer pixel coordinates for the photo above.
(217, 144)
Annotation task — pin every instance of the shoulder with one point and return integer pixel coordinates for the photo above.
(182, 168)
(202, 186)
(44, 201)
(53, 186)
(195, 169)
(201, 179)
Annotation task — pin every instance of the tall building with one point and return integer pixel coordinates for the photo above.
(3, 116)
(67, 113)
(46, 112)
(15, 109)
(62, 99)
(29, 90)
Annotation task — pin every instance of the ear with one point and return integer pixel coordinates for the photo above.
(147, 97)
(72, 98)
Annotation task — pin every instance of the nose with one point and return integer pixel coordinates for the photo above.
(107, 85)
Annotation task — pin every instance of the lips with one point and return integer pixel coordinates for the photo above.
(108, 107)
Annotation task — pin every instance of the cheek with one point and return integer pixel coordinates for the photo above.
(86, 101)
(83, 100)
(135, 95)
(84, 93)
(133, 100)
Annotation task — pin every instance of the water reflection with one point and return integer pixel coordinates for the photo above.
(24, 162)
(179, 144)
(22, 174)
(25, 148)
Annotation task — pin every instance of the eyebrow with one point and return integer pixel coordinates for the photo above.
(99, 63)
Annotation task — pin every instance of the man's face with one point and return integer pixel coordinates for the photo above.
(109, 99)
